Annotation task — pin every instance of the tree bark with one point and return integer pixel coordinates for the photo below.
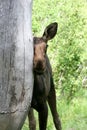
(16, 61)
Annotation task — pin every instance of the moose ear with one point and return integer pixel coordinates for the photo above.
(50, 31)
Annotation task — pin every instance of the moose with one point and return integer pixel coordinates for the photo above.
(44, 89)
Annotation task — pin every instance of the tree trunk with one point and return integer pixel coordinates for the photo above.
(16, 61)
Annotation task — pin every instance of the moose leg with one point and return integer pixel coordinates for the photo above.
(32, 121)
(52, 104)
(43, 114)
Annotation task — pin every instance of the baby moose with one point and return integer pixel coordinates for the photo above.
(44, 89)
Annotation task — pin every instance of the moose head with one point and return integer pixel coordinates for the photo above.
(40, 47)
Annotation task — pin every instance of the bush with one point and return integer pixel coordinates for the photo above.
(68, 53)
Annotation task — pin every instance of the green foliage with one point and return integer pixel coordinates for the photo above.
(69, 56)
(70, 50)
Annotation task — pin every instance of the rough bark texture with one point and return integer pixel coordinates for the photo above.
(16, 58)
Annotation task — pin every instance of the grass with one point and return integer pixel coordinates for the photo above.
(75, 115)
(72, 115)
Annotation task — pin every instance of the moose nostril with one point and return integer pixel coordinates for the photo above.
(39, 64)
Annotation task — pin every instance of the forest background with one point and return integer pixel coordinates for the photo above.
(68, 56)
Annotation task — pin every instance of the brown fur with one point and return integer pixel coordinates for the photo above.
(44, 89)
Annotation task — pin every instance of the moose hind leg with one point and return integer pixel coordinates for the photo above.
(52, 104)
(32, 121)
(43, 114)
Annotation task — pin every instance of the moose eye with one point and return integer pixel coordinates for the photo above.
(46, 46)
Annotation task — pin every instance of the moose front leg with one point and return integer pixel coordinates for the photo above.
(43, 114)
(32, 121)
(52, 104)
